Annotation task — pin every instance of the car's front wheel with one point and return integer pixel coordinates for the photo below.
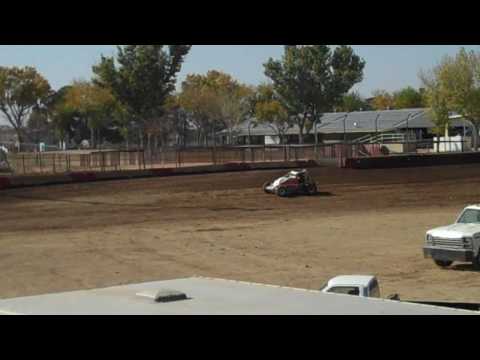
(265, 187)
(282, 192)
(443, 263)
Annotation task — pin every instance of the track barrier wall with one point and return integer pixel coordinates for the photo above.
(83, 177)
(400, 161)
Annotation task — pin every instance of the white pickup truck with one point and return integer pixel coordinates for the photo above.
(457, 242)
(356, 285)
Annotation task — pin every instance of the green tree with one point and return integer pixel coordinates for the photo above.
(270, 111)
(141, 77)
(312, 79)
(202, 103)
(353, 102)
(176, 120)
(235, 107)
(382, 100)
(408, 98)
(454, 85)
(94, 104)
(215, 101)
(64, 118)
(21, 91)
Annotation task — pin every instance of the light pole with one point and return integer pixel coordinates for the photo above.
(408, 135)
(250, 123)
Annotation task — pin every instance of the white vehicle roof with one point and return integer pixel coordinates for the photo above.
(211, 297)
(349, 280)
(474, 207)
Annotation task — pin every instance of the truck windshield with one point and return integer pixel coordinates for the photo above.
(470, 216)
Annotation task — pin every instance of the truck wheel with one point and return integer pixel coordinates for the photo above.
(282, 192)
(476, 262)
(442, 263)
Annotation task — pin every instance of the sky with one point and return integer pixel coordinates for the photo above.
(389, 67)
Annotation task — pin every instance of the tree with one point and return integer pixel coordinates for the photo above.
(21, 91)
(93, 104)
(454, 85)
(215, 101)
(312, 79)
(176, 120)
(38, 126)
(382, 100)
(65, 119)
(202, 103)
(270, 111)
(408, 98)
(353, 102)
(141, 77)
(235, 107)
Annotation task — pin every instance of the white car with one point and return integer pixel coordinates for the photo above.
(356, 285)
(457, 242)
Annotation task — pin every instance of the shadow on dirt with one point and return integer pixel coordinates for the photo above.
(318, 194)
(464, 267)
(324, 194)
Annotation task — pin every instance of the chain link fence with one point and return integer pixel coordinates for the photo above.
(122, 160)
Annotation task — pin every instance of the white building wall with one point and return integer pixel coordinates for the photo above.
(449, 144)
(272, 140)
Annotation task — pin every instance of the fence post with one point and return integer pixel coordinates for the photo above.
(23, 162)
(54, 169)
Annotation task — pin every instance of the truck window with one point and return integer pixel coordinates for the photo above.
(347, 290)
(470, 216)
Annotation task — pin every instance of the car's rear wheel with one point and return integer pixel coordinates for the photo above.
(282, 192)
(312, 190)
(265, 186)
(443, 263)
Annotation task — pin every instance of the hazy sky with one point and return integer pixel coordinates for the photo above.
(389, 67)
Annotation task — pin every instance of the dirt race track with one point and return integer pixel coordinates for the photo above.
(82, 236)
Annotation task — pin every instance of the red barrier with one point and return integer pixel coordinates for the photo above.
(4, 183)
(83, 177)
(236, 167)
(163, 172)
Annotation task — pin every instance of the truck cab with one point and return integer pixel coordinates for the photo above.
(457, 242)
(356, 285)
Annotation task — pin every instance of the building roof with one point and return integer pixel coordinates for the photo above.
(355, 122)
(211, 297)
